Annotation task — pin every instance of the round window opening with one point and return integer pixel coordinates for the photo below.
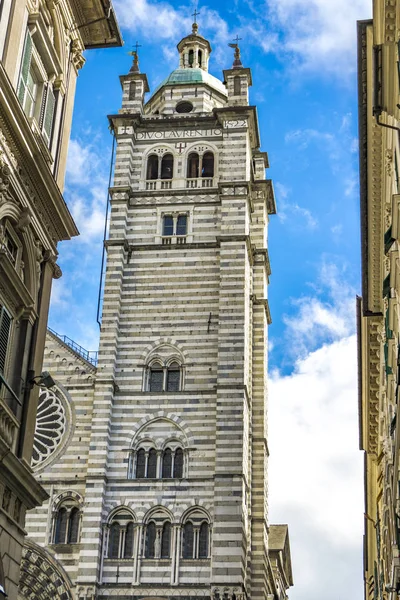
(51, 426)
(184, 107)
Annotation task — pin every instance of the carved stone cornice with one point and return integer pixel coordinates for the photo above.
(375, 333)
(372, 167)
(390, 20)
(30, 173)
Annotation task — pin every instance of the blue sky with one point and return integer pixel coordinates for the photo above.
(303, 59)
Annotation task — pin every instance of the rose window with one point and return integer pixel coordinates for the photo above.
(51, 422)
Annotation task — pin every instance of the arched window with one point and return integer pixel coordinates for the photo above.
(61, 526)
(173, 377)
(208, 165)
(167, 464)
(152, 464)
(167, 166)
(113, 540)
(73, 529)
(203, 540)
(120, 535)
(178, 463)
(236, 85)
(193, 165)
(66, 523)
(140, 464)
(128, 550)
(191, 58)
(166, 540)
(200, 58)
(188, 539)
(181, 225)
(152, 167)
(156, 380)
(168, 225)
(150, 540)
(163, 378)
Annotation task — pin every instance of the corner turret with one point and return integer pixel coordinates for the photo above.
(134, 86)
(237, 80)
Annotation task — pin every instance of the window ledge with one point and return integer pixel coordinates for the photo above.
(65, 548)
(163, 480)
(118, 560)
(194, 560)
(157, 560)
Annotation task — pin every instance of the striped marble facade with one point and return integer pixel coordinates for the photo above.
(200, 302)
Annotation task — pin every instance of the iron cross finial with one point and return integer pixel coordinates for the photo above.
(195, 14)
(137, 45)
(237, 40)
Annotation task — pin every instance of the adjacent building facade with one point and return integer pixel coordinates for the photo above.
(41, 45)
(379, 308)
(157, 470)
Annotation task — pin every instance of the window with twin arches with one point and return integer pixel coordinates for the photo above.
(198, 165)
(121, 533)
(151, 463)
(192, 538)
(66, 523)
(160, 166)
(164, 376)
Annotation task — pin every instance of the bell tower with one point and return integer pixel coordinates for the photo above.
(174, 487)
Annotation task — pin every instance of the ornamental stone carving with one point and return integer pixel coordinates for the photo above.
(51, 426)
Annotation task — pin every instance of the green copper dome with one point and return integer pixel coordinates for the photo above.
(188, 76)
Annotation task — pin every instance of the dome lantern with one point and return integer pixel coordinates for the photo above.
(194, 51)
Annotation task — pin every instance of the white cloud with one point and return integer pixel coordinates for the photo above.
(82, 162)
(326, 316)
(319, 34)
(339, 147)
(86, 187)
(292, 212)
(60, 294)
(315, 475)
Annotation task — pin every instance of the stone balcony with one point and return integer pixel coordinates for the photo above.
(174, 184)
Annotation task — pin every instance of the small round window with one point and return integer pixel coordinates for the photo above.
(184, 107)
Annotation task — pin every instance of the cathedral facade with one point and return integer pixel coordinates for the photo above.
(156, 468)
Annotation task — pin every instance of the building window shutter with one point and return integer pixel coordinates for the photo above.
(5, 327)
(47, 113)
(25, 66)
